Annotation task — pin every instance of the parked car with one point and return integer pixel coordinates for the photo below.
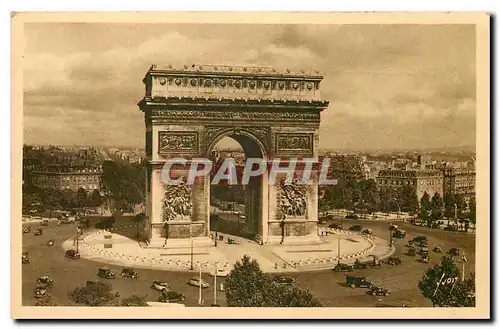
(341, 267)
(283, 280)
(25, 259)
(45, 222)
(351, 216)
(106, 273)
(160, 286)
(198, 283)
(357, 282)
(130, 273)
(72, 254)
(454, 252)
(394, 261)
(437, 250)
(220, 272)
(171, 297)
(45, 280)
(357, 228)
(50, 243)
(451, 228)
(367, 231)
(40, 292)
(420, 238)
(38, 231)
(400, 234)
(27, 229)
(378, 291)
(359, 265)
(411, 251)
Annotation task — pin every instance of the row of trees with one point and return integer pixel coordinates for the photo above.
(124, 182)
(450, 206)
(364, 195)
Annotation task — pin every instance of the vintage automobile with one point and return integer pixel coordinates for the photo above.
(361, 265)
(423, 243)
(351, 216)
(195, 281)
(106, 273)
(171, 297)
(354, 281)
(400, 234)
(356, 228)
(378, 291)
(25, 259)
(38, 231)
(282, 280)
(72, 254)
(130, 273)
(394, 260)
(437, 250)
(424, 259)
(424, 251)
(454, 252)
(27, 229)
(160, 286)
(411, 251)
(45, 222)
(419, 239)
(334, 225)
(220, 272)
(50, 243)
(40, 292)
(45, 280)
(367, 231)
(341, 267)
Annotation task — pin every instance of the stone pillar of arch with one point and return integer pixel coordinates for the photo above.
(273, 114)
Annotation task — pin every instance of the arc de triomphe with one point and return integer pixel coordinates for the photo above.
(272, 114)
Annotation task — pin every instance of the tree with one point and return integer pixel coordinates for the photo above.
(409, 199)
(134, 300)
(436, 207)
(137, 219)
(95, 198)
(441, 284)
(81, 197)
(425, 207)
(45, 301)
(94, 294)
(248, 286)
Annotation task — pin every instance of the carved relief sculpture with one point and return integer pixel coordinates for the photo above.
(293, 199)
(177, 203)
(177, 141)
(292, 142)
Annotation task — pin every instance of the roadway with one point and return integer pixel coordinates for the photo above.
(328, 286)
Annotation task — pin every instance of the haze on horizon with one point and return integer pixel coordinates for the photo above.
(389, 86)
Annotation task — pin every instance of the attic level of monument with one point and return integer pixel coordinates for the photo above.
(211, 85)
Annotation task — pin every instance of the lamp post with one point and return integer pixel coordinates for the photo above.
(464, 260)
(215, 285)
(456, 217)
(338, 242)
(191, 240)
(77, 233)
(199, 294)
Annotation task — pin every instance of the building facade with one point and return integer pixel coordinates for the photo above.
(68, 177)
(460, 181)
(430, 181)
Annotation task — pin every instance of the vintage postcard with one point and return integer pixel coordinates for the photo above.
(285, 165)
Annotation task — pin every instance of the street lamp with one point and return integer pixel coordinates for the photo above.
(191, 240)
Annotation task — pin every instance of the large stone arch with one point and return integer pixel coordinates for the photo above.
(271, 113)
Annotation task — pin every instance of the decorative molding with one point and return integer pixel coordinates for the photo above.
(263, 135)
(177, 203)
(250, 115)
(177, 141)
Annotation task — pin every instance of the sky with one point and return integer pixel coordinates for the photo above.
(389, 86)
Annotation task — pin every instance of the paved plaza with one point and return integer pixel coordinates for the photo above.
(115, 248)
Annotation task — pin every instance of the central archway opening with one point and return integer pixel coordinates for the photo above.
(235, 209)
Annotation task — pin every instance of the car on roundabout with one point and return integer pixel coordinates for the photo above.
(394, 261)
(50, 242)
(361, 265)
(220, 272)
(367, 231)
(26, 229)
(356, 228)
(197, 282)
(351, 216)
(72, 254)
(437, 250)
(45, 280)
(341, 267)
(45, 222)
(25, 259)
(171, 297)
(282, 280)
(161, 286)
(355, 281)
(424, 259)
(454, 252)
(38, 231)
(106, 273)
(378, 291)
(130, 273)
(411, 251)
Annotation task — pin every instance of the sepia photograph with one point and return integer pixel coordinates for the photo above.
(312, 165)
